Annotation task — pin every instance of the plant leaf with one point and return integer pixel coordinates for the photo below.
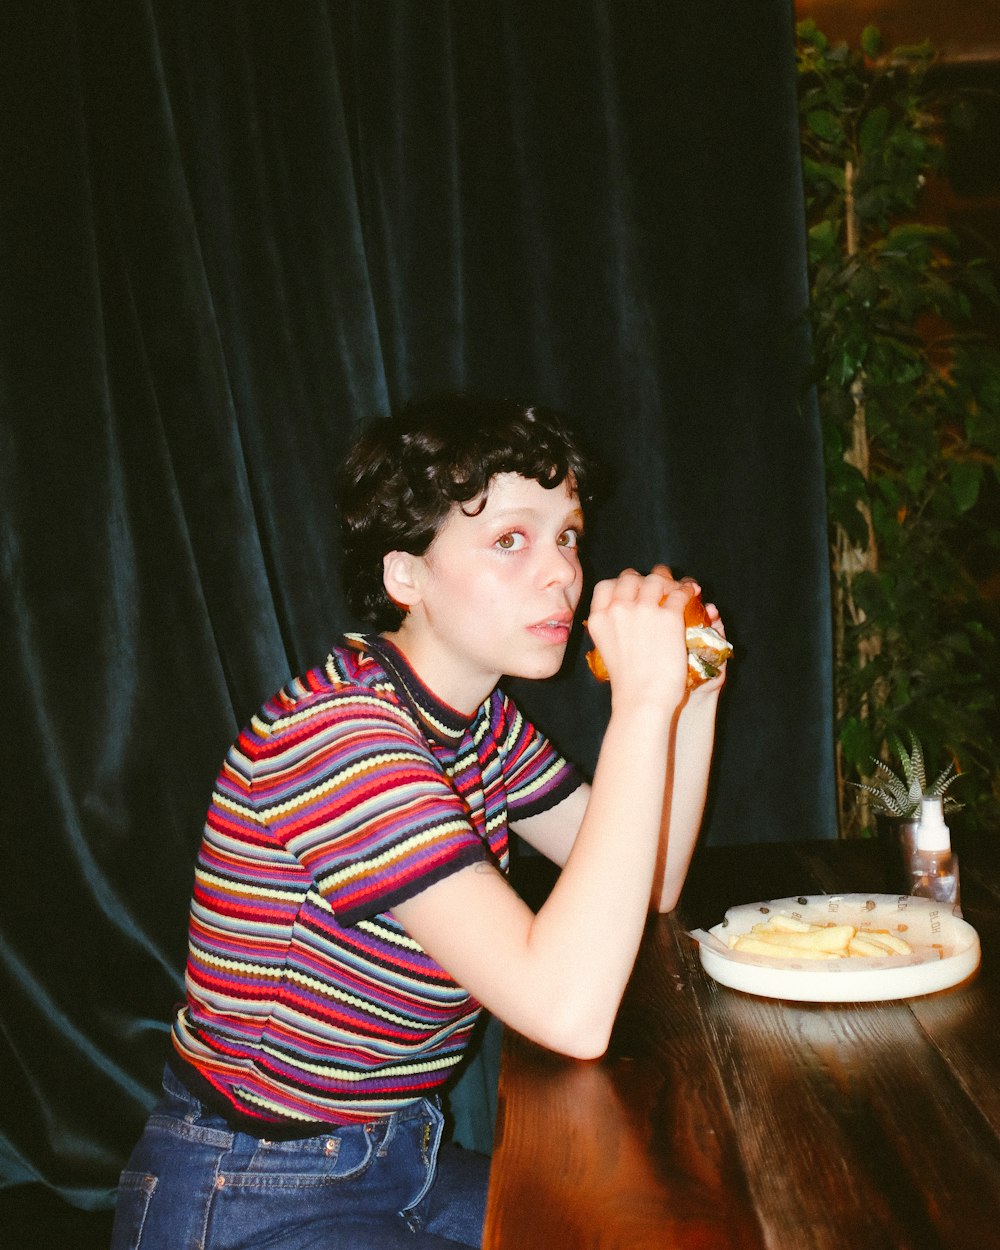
(871, 41)
(823, 124)
(966, 478)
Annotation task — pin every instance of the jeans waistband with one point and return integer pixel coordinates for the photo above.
(183, 1080)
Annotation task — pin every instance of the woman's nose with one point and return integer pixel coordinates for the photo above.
(562, 567)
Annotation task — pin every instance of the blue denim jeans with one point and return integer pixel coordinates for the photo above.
(194, 1183)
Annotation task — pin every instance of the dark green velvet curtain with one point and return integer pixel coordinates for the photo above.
(233, 231)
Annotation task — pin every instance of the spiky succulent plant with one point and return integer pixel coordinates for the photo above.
(899, 796)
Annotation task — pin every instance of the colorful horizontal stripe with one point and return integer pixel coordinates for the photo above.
(350, 791)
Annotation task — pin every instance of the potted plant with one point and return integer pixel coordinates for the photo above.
(897, 797)
(909, 400)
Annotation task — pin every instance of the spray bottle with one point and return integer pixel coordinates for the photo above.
(933, 864)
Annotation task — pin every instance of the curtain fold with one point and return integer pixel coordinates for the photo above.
(232, 233)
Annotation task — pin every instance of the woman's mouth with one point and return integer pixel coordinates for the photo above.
(553, 628)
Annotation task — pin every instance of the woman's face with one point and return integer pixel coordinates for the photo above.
(495, 593)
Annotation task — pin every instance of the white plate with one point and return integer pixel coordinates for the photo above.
(945, 950)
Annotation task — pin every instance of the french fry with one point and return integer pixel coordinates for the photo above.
(862, 944)
(751, 945)
(829, 938)
(789, 937)
(786, 924)
(896, 944)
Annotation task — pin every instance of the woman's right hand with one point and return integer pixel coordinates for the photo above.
(637, 624)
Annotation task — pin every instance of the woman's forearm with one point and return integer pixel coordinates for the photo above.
(593, 920)
(688, 767)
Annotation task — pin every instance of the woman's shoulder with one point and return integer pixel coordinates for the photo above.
(349, 683)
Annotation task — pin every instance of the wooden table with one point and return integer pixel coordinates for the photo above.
(723, 1121)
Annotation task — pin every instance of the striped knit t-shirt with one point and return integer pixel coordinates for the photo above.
(352, 790)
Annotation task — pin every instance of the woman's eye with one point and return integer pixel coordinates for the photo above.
(510, 542)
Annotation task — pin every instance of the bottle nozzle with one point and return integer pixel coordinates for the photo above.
(932, 833)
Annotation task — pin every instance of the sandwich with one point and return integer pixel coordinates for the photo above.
(706, 647)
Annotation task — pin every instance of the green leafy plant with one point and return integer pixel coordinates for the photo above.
(899, 797)
(909, 398)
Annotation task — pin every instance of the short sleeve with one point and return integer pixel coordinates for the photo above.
(373, 818)
(536, 775)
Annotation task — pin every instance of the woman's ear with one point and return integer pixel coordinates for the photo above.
(401, 578)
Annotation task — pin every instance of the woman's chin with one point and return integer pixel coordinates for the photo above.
(539, 667)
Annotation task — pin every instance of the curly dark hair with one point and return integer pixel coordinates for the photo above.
(406, 472)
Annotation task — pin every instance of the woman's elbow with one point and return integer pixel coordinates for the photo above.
(668, 901)
(587, 1048)
(577, 1038)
